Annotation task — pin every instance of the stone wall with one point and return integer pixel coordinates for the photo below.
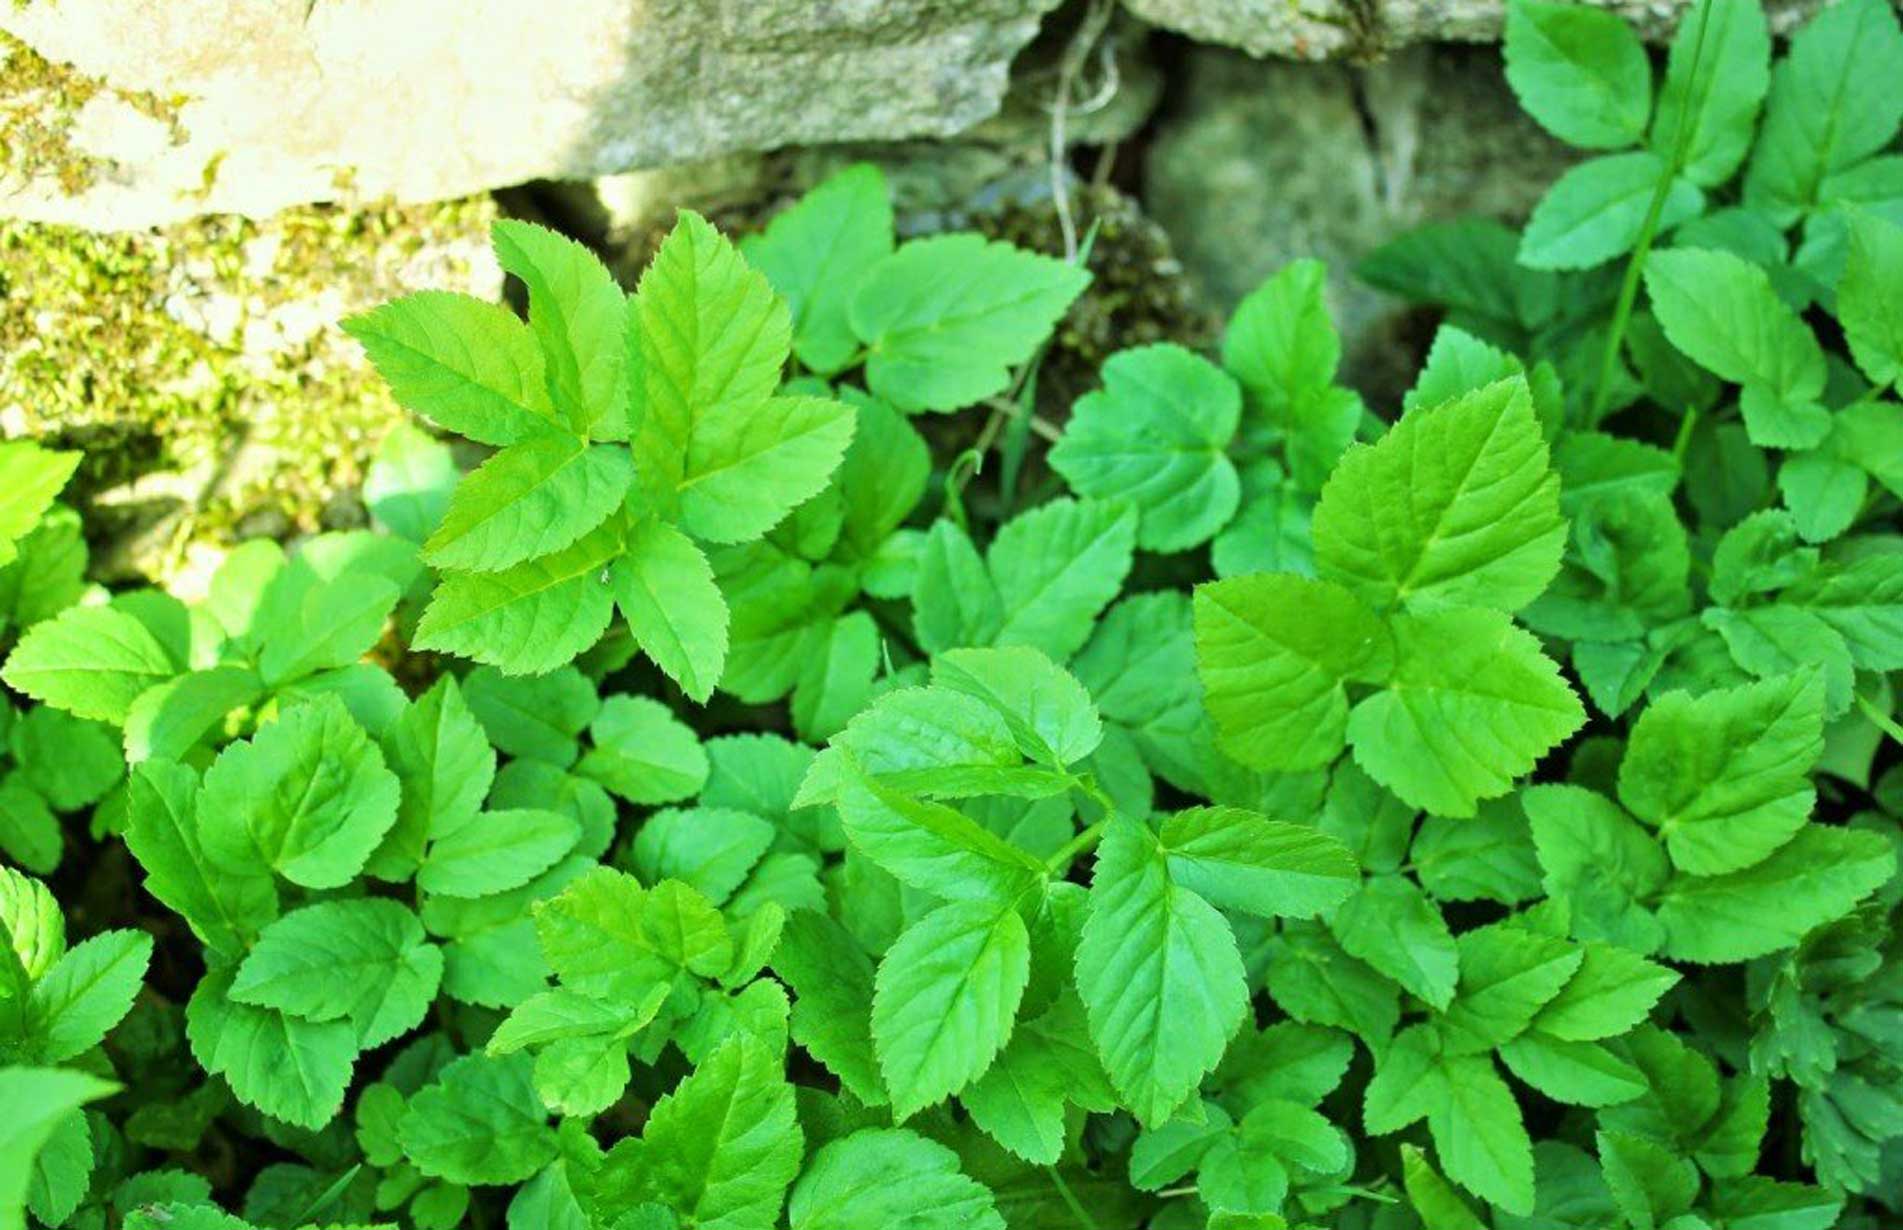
(1364, 29)
(247, 106)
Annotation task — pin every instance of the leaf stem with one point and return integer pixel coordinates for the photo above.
(1070, 1198)
(1077, 846)
(1648, 230)
(1683, 441)
(1878, 718)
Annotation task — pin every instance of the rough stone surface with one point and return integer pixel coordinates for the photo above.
(201, 369)
(208, 106)
(1361, 29)
(1236, 178)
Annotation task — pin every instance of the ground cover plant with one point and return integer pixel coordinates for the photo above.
(727, 806)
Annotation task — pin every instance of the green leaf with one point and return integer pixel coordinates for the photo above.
(92, 661)
(530, 618)
(86, 992)
(723, 1147)
(531, 499)
(442, 757)
(494, 851)
(1576, 1073)
(1870, 297)
(1580, 72)
(30, 478)
(365, 960)
(467, 365)
(224, 908)
(308, 796)
(578, 316)
(1458, 673)
(1612, 992)
(408, 484)
(1047, 711)
(1816, 876)
(665, 589)
(642, 752)
(1281, 344)
(1390, 924)
(334, 625)
(591, 932)
(1650, 1185)
(1436, 1202)
(478, 1122)
(1754, 1202)
(945, 319)
(68, 760)
(168, 720)
(1507, 974)
(1863, 600)
(29, 831)
(1597, 210)
(836, 681)
(1056, 568)
(1715, 77)
(1833, 103)
(882, 476)
(1489, 857)
(1824, 493)
(710, 849)
(289, 1068)
(932, 846)
(1599, 861)
(1481, 1137)
(1155, 435)
(1019, 1102)
(39, 1100)
(831, 978)
(62, 1174)
(1274, 653)
(886, 1177)
(1159, 974)
(815, 253)
(1241, 860)
(944, 1000)
(538, 717)
(684, 928)
(1455, 506)
(713, 340)
(744, 474)
(1724, 777)
(1721, 311)
(930, 741)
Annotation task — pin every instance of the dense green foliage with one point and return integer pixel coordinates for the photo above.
(1257, 810)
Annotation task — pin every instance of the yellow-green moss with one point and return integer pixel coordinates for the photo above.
(210, 351)
(40, 100)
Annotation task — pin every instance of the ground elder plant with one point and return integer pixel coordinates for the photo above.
(1261, 809)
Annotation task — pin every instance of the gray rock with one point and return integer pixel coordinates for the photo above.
(1265, 162)
(1361, 29)
(198, 106)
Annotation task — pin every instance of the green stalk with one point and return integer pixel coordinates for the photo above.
(1684, 440)
(1881, 720)
(1077, 847)
(1070, 1198)
(1648, 230)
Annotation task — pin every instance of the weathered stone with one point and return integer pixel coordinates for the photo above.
(201, 369)
(1362, 29)
(247, 106)
(1262, 163)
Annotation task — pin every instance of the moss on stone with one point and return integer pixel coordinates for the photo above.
(40, 101)
(200, 366)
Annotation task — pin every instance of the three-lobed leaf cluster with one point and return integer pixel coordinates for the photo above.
(1504, 837)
